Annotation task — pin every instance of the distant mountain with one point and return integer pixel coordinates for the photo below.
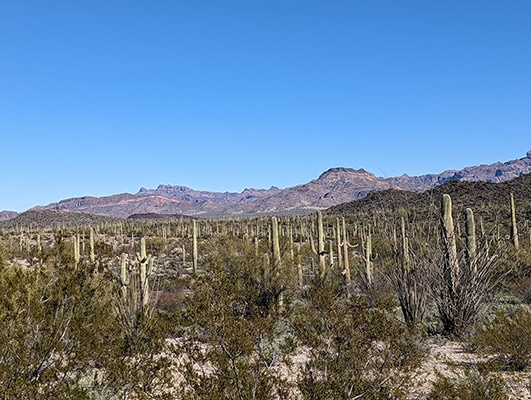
(476, 195)
(5, 215)
(333, 187)
(166, 199)
(497, 172)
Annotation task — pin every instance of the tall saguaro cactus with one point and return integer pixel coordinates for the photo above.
(91, 243)
(346, 262)
(124, 277)
(77, 251)
(514, 229)
(368, 258)
(275, 244)
(320, 244)
(451, 265)
(194, 246)
(145, 260)
(277, 261)
(470, 228)
(338, 242)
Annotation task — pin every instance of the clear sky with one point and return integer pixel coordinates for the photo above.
(104, 97)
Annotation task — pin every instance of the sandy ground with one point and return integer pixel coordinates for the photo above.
(450, 359)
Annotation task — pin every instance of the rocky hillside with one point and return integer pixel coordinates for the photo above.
(41, 219)
(497, 172)
(5, 215)
(333, 187)
(476, 195)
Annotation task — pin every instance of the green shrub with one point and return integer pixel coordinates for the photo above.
(355, 350)
(230, 346)
(61, 337)
(473, 386)
(506, 338)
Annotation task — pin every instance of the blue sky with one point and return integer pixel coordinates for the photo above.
(103, 97)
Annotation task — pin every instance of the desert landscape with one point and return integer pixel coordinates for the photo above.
(396, 295)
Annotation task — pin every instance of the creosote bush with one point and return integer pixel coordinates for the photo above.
(61, 337)
(474, 385)
(354, 349)
(505, 338)
(230, 349)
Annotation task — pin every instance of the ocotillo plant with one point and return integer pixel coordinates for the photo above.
(462, 293)
(266, 265)
(408, 280)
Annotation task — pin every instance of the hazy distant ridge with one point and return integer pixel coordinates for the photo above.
(332, 187)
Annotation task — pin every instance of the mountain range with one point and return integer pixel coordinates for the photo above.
(334, 186)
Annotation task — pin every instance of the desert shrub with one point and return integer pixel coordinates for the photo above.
(103, 250)
(354, 349)
(505, 337)
(155, 245)
(3, 254)
(472, 386)
(61, 337)
(54, 328)
(521, 287)
(229, 349)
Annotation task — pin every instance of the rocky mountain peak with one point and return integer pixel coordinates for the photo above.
(332, 187)
(5, 215)
(350, 173)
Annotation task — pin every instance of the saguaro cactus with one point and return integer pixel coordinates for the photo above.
(346, 262)
(514, 230)
(338, 242)
(275, 243)
(77, 254)
(451, 265)
(124, 277)
(471, 240)
(91, 243)
(194, 246)
(368, 258)
(144, 260)
(277, 261)
(320, 244)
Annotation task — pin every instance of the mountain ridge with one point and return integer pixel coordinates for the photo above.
(334, 186)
